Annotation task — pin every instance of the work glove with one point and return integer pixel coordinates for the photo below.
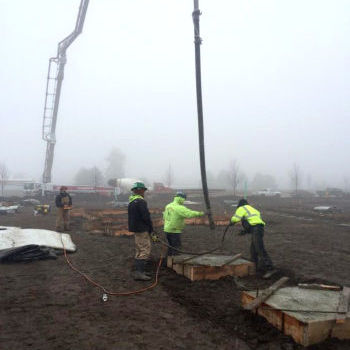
(154, 237)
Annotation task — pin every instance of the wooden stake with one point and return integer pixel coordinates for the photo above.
(266, 294)
(234, 258)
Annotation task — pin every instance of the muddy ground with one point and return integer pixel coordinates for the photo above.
(46, 305)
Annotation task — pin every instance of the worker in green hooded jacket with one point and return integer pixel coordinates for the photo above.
(174, 221)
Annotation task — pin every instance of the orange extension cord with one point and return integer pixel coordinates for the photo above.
(138, 291)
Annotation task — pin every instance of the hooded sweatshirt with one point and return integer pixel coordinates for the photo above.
(175, 214)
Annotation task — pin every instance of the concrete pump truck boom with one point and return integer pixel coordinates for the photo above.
(53, 92)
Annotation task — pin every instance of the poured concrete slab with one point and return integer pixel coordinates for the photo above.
(309, 316)
(210, 266)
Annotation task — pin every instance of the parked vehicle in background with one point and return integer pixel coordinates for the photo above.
(122, 185)
(16, 187)
(35, 189)
(267, 192)
(158, 187)
(32, 189)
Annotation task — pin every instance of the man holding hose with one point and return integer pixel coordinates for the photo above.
(254, 225)
(174, 221)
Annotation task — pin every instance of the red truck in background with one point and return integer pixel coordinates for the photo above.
(159, 187)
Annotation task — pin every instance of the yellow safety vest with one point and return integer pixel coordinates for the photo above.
(248, 213)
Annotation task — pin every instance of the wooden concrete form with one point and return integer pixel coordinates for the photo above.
(210, 266)
(298, 313)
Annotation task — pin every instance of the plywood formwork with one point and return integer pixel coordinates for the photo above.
(114, 222)
(308, 316)
(210, 266)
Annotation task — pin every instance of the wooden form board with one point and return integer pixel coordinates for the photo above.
(304, 332)
(195, 271)
(343, 306)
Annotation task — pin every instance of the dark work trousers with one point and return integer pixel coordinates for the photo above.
(174, 240)
(257, 250)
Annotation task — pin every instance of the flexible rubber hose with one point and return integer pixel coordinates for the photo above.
(197, 42)
(194, 253)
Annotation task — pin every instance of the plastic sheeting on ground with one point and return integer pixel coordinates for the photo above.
(9, 209)
(18, 244)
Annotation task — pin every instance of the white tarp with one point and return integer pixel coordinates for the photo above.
(190, 202)
(9, 210)
(323, 208)
(13, 237)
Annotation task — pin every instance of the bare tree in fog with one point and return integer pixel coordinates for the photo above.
(98, 179)
(295, 177)
(244, 181)
(3, 176)
(309, 182)
(91, 177)
(234, 175)
(169, 176)
(116, 164)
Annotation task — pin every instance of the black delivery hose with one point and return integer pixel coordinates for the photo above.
(197, 42)
(193, 253)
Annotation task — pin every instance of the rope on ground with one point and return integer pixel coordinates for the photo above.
(106, 291)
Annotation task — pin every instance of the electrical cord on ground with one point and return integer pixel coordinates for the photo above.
(105, 290)
(154, 284)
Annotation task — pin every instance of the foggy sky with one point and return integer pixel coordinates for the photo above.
(276, 87)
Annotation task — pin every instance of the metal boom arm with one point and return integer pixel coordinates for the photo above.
(53, 90)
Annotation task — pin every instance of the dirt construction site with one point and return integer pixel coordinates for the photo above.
(47, 305)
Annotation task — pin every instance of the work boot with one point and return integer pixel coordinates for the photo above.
(139, 274)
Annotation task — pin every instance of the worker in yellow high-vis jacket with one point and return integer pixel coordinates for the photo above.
(174, 217)
(253, 224)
